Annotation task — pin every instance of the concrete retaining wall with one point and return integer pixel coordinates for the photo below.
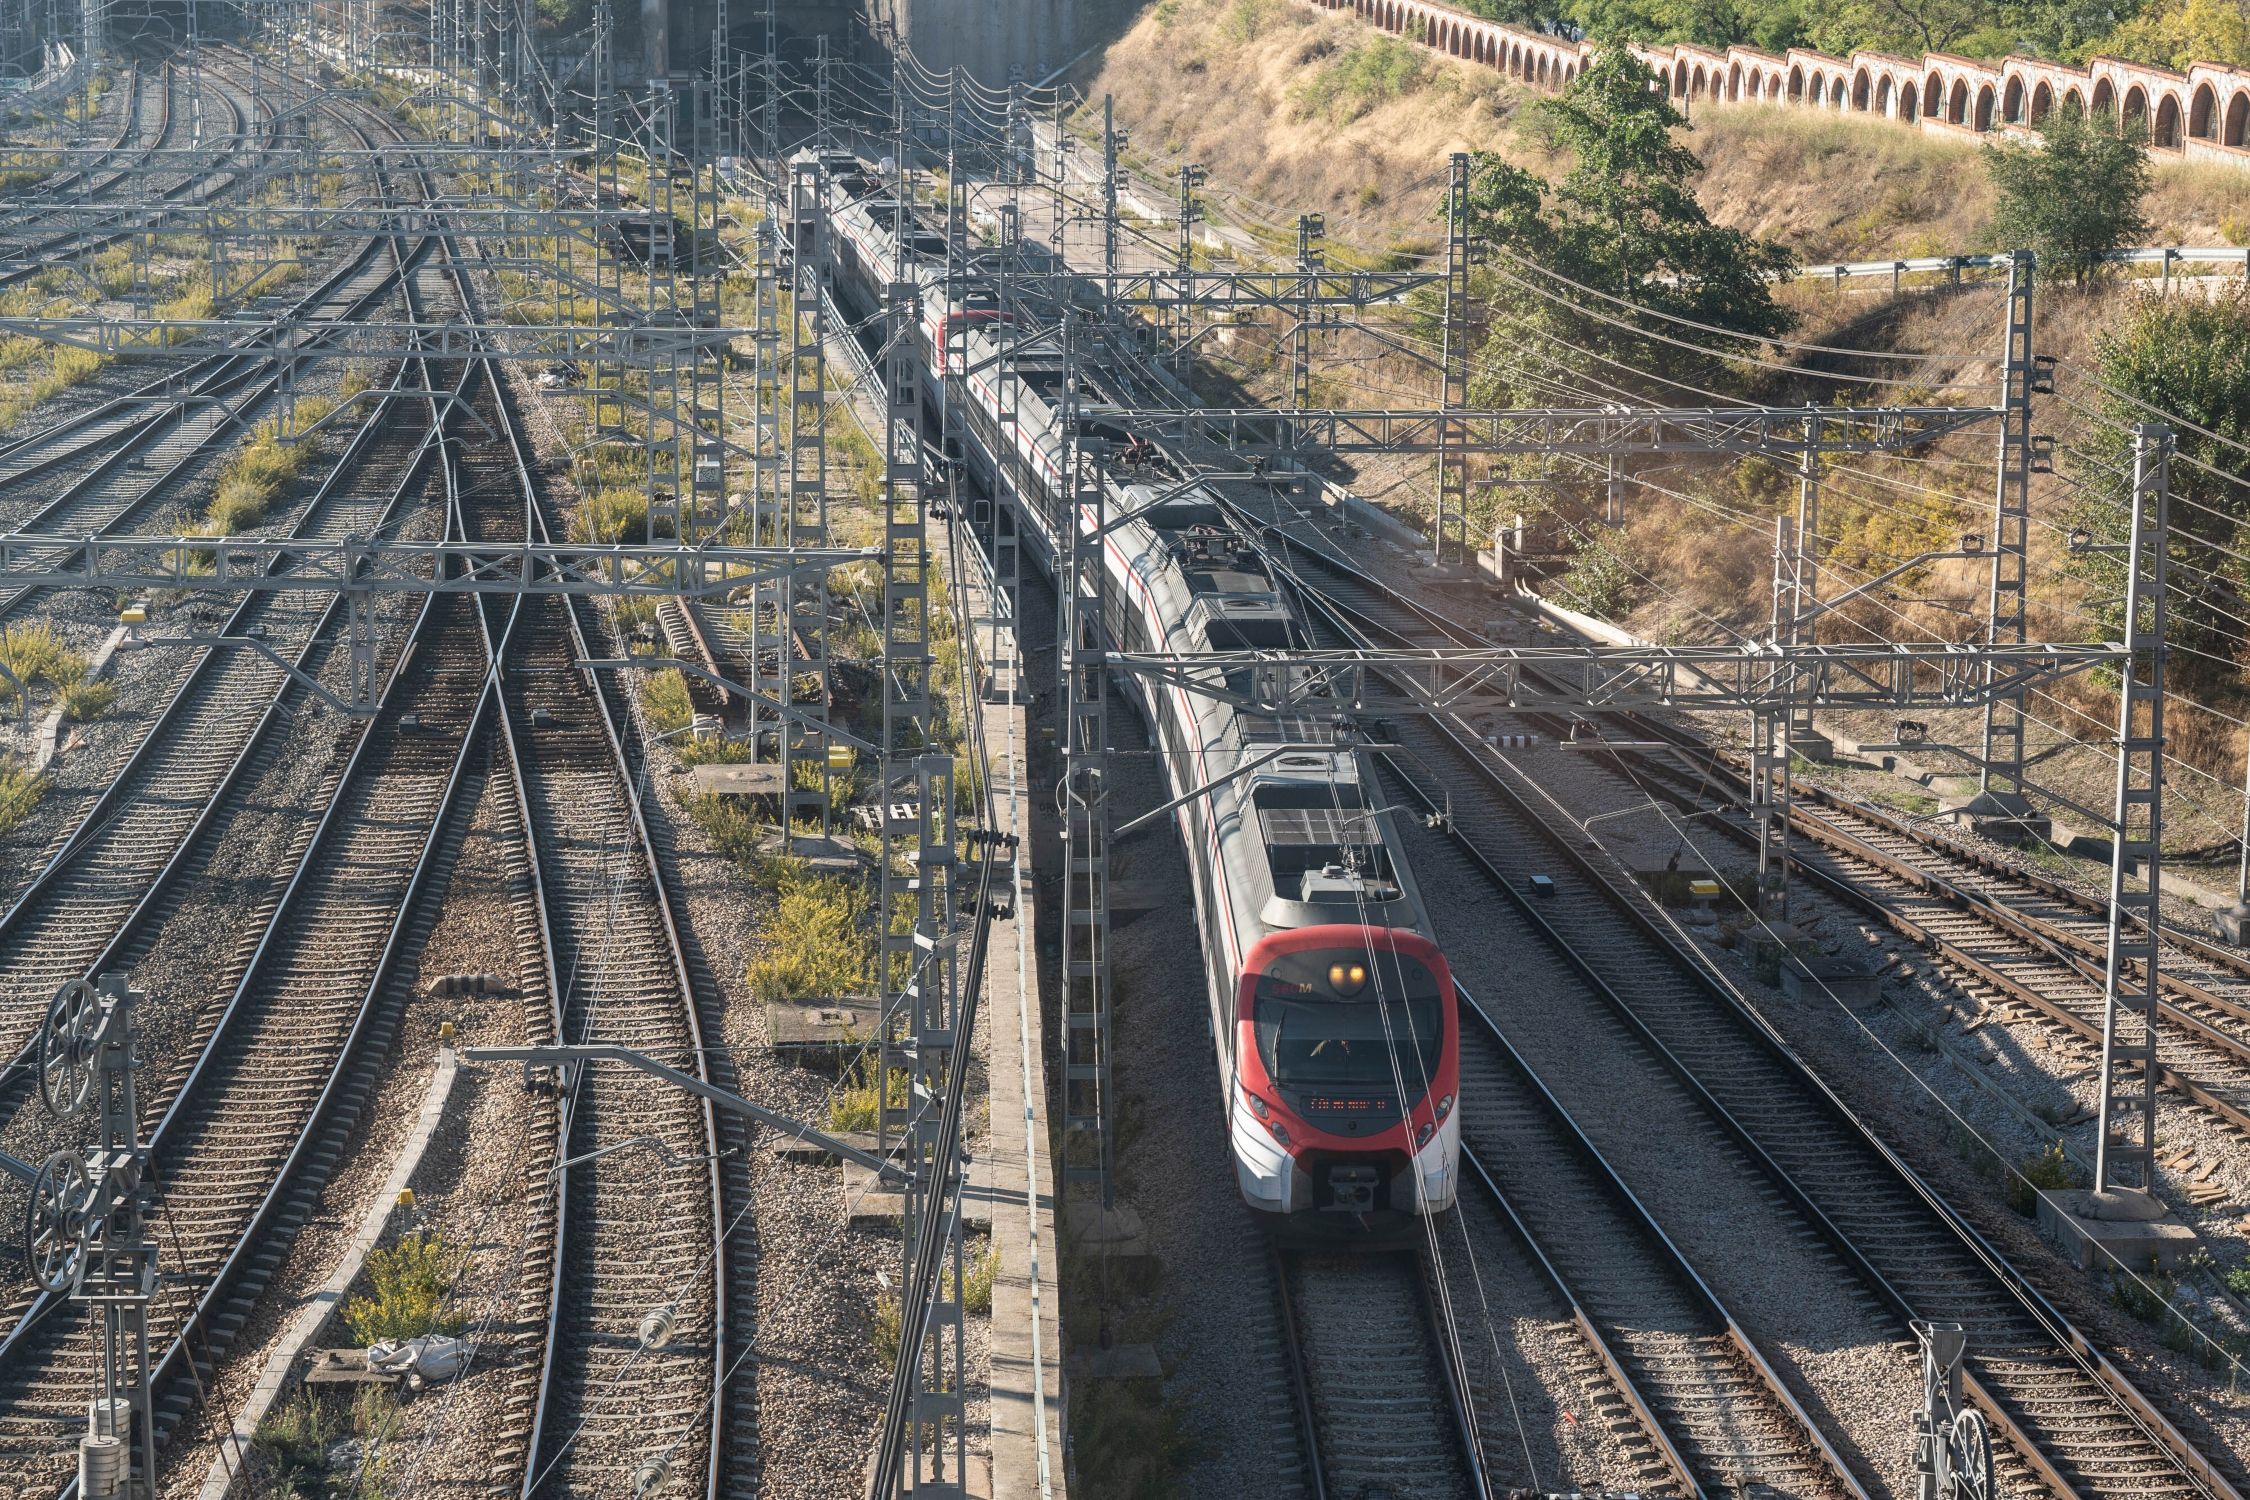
(987, 39)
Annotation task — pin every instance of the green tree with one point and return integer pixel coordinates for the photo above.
(2188, 356)
(1580, 259)
(2073, 197)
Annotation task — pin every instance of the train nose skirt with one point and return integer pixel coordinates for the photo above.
(1351, 1190)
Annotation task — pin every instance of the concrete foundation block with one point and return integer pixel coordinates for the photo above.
(2102, 1231)
(2008, 818)
(1115, 1231)
(1818, 978)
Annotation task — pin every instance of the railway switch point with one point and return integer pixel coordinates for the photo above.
(2122, 1227)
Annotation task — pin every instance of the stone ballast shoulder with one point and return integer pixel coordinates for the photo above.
(2201, 114)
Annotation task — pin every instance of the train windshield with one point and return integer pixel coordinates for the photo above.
(1347, 1026)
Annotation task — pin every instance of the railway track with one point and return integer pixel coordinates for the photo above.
(281, 1073)
(23, 262)
(270, 1101)
(113, 876)
(26, 210)
(145, 462)
(2002, 930)
(120, 874)
(2026, 940)
(1724, 1421)
(1381, 1408)
(2078, 1424)
(632, 1238)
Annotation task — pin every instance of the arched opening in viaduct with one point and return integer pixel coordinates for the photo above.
(2167, 133)
(2203, 114)
(2134, 116)
(2238, 119)
(2042, 104)
(1883, 96)
(1860, 90)
(1933, 97)
(1984, 108)
(2011, 103)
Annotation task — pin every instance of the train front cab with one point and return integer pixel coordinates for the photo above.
(1329, 1023)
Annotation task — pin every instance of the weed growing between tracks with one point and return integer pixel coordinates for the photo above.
(255, 479)
(20, 791)
(665, 697)
(34, 653)
(88, 701)
(2050, 1171)
(979, 1269)
(409, 1281)
(819, 944)
(317, 1453)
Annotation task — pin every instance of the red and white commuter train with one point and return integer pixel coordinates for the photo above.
(1332, 1009)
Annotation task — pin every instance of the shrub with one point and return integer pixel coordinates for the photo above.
(611, 516)
(883, 1332)
(88, 701)
(20, 792)
(1599, 582)
(254, 479)
(978, 1273)
(2072, 198)
(410, 1282)
(821, 947)
(2147, 1297)
(1246, 18)
(667, 702)
(296, 1437)
(2049, 1171)
(854, 1104)
(34, 653)
(1362, 80)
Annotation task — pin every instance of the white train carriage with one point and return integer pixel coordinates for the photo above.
(1331, 1007)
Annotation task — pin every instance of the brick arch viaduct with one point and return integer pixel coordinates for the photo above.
(2203, 113)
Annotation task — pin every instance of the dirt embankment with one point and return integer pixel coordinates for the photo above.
(1294, 109)
(1297, 110)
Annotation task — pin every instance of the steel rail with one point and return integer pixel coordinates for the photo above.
(1708, 1473)
(1388, 1405)
(671, 958)
(136, 830)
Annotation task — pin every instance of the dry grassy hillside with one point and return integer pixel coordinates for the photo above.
(1295, 109)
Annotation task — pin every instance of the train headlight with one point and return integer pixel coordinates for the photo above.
(1423, 1132)
(1257, 1105)
(1280, 1131)
(1347, 980)
(1445, 1106)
